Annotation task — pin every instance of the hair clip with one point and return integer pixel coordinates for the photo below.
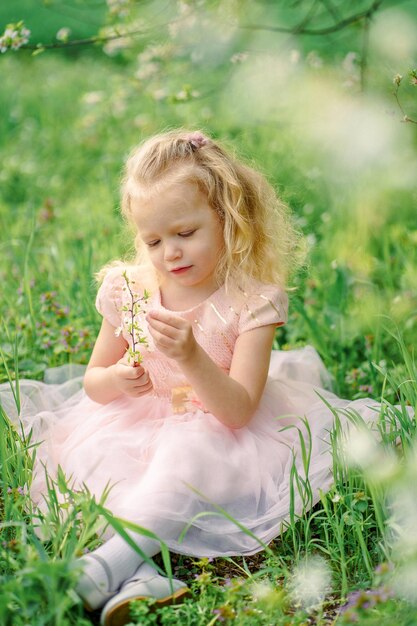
(197, 140)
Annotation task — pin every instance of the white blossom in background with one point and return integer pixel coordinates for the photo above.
(92, 97)
(350, 62)
(385, 41)
(14, 37)
(311, 582)
(63, 34)
(159, 94)
(239, 57)
(314, 59)
(119, 8)
(361, 449)
(147, 70)
(114, 46)
(295, 56)
(403, 519)
(262, 590)
(404, 582)
(402, 506)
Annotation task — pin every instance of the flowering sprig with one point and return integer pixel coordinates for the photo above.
(133, 309)
(14, 36)
(397, 80)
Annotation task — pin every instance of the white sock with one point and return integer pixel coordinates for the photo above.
(145, 570)
(115, 561)
(109, 566)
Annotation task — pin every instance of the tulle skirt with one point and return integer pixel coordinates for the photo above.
(231, 490)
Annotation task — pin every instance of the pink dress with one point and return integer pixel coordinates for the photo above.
(171, 463)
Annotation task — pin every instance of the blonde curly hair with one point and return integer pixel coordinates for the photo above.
(259, 237)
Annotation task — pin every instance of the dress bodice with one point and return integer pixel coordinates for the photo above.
(216, 321)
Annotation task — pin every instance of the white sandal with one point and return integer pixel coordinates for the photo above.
(145, 584)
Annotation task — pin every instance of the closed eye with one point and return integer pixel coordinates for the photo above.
(187, 233)
(152, 244)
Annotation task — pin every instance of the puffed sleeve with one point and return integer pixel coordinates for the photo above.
(109, 295)
(268, 305)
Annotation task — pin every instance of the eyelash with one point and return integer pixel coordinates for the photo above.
(188, 233)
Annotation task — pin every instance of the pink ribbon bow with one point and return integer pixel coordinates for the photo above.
(197, 140)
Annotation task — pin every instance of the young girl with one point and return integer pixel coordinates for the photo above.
(200, 423)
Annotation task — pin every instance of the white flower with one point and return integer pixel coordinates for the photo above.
(239, 57)
(262, 590)
(362, 450)
(63, 34)
(311, 582)
(159, 94)
(314, 59)
(360, 447)
(92, 97)
(404, 582)
(349, 63)
(295, 56)
(147, 70)
(118, 331)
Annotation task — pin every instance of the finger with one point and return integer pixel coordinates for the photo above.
(170, 319)
(143, 389)
(161, 341)
(142, 380)
(131, 373)
(164, 329)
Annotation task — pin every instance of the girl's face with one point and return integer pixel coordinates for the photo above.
(183, 236)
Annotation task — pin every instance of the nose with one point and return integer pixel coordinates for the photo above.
(172, 251)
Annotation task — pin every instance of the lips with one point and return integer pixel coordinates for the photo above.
(181, 270)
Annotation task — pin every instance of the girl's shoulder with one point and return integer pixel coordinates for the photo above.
(259, 304)
(116, 279)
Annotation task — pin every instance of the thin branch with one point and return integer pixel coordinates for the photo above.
(332, 10)
(307, 18)
(95, 38)
(405, 116)
(82, 42)
(300, 30)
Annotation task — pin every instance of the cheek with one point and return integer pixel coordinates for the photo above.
(219, 246)
(153, 255)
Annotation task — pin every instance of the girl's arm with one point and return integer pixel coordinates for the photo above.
(108, 375)
(232, 398)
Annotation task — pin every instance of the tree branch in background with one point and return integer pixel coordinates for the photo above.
(300, 28)
(397, 82)
(331, 9)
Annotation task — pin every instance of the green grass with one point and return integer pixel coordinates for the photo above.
(68, 125)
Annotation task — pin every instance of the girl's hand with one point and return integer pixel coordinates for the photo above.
(132, 381)
(172, 334)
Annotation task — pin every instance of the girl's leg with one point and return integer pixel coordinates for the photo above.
(110, 565)
(105, 569)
